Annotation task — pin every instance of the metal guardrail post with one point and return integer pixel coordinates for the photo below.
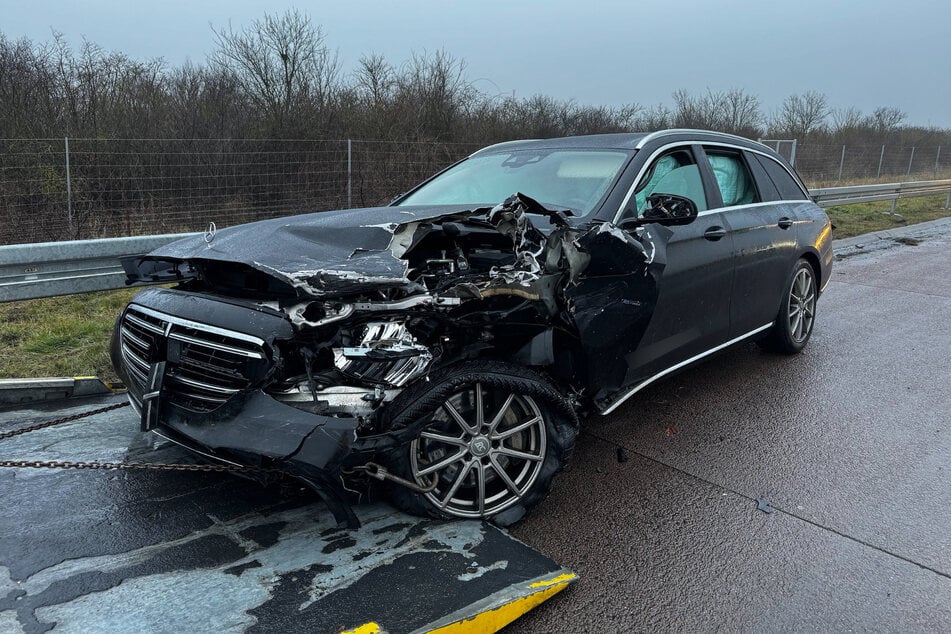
(69, 190)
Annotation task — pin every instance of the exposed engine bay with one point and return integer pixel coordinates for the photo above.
(257, 320)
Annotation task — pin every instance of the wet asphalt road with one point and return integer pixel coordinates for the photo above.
(849, 444)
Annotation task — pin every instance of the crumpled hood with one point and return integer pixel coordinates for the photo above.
(337, 240)
(321, 250)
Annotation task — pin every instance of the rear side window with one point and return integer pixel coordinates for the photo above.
(733, 178)
(788, 187)
(767, 190)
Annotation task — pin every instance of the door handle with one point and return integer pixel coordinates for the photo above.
(785, 223)
(714, 233)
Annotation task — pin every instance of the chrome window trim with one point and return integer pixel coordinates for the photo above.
(668, 146)
(672, 368)
(722, 210)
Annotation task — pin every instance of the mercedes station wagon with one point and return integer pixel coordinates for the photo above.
(442, 349)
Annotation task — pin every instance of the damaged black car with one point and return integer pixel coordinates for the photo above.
(448, 343)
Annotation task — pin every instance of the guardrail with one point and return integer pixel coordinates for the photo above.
(29, 271)
(45, 269)
(832, 196)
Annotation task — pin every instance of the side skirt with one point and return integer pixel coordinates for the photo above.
(617, 403)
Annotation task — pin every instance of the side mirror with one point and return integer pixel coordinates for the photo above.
(664, 209)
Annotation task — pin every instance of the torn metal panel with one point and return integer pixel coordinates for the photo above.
(612, 302)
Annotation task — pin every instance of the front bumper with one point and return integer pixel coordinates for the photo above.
(264, 432)
(251, 428)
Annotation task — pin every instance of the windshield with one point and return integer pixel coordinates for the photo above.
(573, 179)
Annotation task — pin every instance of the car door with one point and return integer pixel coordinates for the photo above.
(692, 311)
(764, 237)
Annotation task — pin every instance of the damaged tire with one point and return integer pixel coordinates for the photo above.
(797, 314)
(490, 437)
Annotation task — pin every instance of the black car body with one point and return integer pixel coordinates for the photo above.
(448, 342)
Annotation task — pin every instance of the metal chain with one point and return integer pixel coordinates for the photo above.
(60, 421)
(157, 466)
(141, 466)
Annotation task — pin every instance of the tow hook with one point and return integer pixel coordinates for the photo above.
(379, 472)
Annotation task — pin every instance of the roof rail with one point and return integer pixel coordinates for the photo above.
(661, 133)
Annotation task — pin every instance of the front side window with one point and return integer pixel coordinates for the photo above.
(573, 179)
(733, 178)
(673, 173)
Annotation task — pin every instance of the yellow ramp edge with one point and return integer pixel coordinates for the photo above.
(366, 628)
(492, 613)
(498, 610)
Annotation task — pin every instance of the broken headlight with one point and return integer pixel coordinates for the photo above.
(388, 354)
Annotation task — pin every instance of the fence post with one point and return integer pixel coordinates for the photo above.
(792, 153)
(936, 159)
(841, 162)
(880, 159)
(69, 191)
(910, 160)
(349, 174)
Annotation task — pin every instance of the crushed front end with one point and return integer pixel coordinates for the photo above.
(268, 355)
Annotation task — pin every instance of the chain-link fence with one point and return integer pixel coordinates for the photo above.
(825, 165)
(59, 189)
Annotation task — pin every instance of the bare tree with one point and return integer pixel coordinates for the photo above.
(281, 63)
(802, 114)
(433, 92)
(846, 119)
(732, 111)
(740, 112)
(656, 117)
(884, 119)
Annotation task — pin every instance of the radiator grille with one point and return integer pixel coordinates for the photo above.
(205, 365)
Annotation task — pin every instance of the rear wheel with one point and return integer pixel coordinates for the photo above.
(491, 438)
(797, 314)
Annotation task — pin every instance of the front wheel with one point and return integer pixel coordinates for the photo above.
(797, 314)
(492, 436)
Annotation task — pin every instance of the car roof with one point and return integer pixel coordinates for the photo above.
(623, 141)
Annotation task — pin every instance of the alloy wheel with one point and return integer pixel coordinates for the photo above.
(802, 305)
(485, 447)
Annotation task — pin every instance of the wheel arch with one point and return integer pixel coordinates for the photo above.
(813, 261)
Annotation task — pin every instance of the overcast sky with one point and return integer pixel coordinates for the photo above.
(866, 53)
